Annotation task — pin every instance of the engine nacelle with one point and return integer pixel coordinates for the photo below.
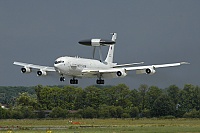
(25, 70)
(121, 73)
(41, 73)
(150, 71)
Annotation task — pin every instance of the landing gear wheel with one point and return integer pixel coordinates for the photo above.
(76, 81)
(73, 81)
(100, 81)
(62, 79)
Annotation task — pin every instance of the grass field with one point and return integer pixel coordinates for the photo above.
(101, 126)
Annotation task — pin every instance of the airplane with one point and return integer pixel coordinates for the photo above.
(76, 67)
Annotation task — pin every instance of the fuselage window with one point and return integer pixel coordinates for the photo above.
(57, 62)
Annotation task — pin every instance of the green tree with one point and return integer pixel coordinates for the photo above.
(4, 113)
(27, 111)
(174, 93)
(26, 99)
(58, 112)
(103, 111)
(93, 97)
(113, 111)
(135, 98)
(38, 90)
(152, 94)
(8, 94)
(69, 98)
(78, 98)
(89, 112)
(134, 112)
(118, 96)
(119, 111)
(143, 89)
(189, 98)
(163, 106)
(42, 97)
(16, 114)
(192, 114)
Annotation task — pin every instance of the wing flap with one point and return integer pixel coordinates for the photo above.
(98, 71)
(140, 71)
(130, 64)
(90, 71)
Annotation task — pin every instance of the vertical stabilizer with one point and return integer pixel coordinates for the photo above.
(109, 58)
(114, 36)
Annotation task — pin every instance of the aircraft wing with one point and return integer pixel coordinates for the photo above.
(45, 68)
(142, 69)
(138, 69)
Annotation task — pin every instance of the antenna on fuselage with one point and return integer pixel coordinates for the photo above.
(98, 43)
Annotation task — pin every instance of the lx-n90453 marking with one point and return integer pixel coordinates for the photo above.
(75, 67)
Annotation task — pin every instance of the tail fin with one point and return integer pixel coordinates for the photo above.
(109, 58)
(114, 36)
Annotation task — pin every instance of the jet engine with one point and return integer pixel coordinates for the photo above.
(121, 73)
(41, 73)
(150, 71)
(25, 70)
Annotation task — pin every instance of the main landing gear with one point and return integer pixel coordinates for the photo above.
(100, 81)
(73, 81)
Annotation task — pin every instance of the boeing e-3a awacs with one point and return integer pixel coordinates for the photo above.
(76, 67)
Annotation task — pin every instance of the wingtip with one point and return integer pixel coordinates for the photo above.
(184, 63)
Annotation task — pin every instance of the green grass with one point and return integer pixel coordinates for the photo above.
(104, 126)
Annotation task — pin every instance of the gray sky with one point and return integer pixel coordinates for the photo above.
(153, 31)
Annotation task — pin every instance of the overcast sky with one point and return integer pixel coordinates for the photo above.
(153, 31)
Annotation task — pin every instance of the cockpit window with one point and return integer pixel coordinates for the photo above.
(57, 62)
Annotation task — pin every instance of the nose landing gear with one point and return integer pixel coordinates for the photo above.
(62, 79)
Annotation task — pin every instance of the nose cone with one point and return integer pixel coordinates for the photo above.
(58, 61)
(86, 42)
(55, 65)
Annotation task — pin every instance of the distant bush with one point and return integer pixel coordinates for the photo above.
(58, 112)
(192, 114)
(125, 115)
(89, 112)
(4, 113)
(168, 117)
(146, 113)
(134, 112)
(17, 114)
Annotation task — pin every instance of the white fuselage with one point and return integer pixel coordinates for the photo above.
(73, 66)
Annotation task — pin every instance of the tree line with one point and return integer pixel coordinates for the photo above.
(118, 101)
